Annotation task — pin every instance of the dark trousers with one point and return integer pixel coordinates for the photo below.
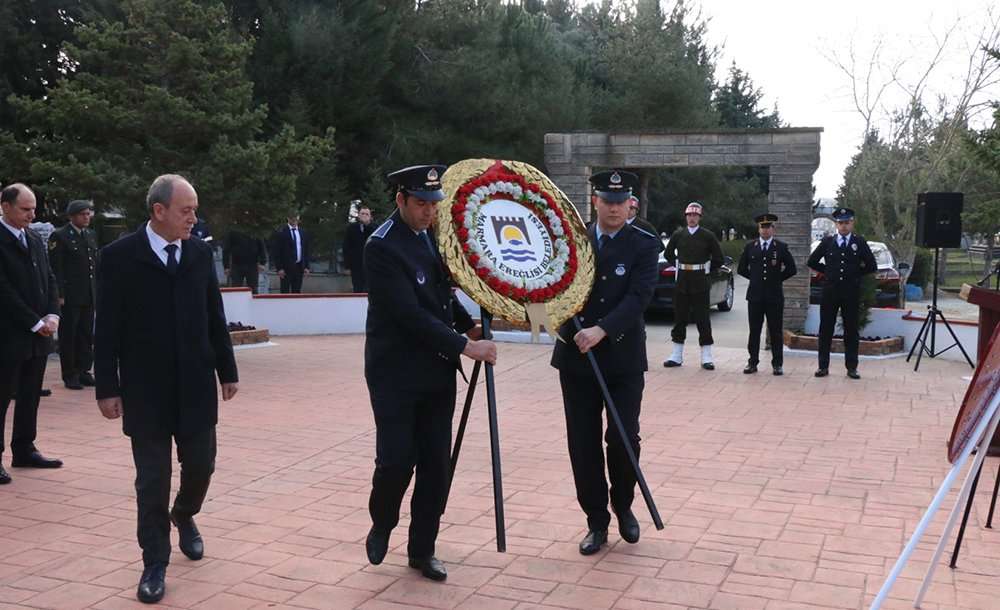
(152, 456)
(23, 381)
(584, 406)
(846, 302)
(773, 311)
(292, 282)
(691, 308)
(413, 429)
(244, 275)
(76, 340)
(359, 282)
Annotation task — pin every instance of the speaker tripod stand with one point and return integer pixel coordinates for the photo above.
(929, 329)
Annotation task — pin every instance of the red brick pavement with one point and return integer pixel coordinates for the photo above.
(788, 493)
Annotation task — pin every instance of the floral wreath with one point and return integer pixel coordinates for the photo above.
(499, 182)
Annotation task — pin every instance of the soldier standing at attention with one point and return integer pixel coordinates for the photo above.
(613, 328)
(413, 339)
(695, 253)
(72, 254)
(766, 262)
(846, 259)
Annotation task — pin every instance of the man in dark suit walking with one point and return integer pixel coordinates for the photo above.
(355, 236)
(625, 276)
(766, 262)
(161, 340)
(290, 255)
(29, 300)
(413, 339)
(73, 253)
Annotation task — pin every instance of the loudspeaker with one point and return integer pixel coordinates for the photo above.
(939, 220)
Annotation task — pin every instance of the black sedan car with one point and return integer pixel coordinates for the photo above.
(721, 293)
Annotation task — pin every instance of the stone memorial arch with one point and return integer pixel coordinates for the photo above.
(790, 154)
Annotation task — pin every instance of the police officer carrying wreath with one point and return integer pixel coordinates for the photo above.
(72, 254)
(613, 328)
(413, 339)
(766, 262)
(696, 254)
(846, 259)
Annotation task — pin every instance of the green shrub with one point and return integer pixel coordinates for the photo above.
(923, 268)
(733, 248)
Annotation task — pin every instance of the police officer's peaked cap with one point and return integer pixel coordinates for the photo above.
(614, 186)
(421, 181)
(77, 206)
(766, 220)
(843, 214)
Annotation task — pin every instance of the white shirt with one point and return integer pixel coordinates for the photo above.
(843, 239)
(157, 244)
(598, 232)
(22, 238)
(298, 242)
(693, 230)
(765, 244)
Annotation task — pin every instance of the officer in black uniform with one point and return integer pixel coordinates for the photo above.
(413, 340)
(843, 259)
(72, 254)
(613, 328)
(766, 262)
(243, 258)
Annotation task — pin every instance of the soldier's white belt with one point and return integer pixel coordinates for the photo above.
(699, 267)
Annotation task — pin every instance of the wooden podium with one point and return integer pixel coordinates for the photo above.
(989, 316)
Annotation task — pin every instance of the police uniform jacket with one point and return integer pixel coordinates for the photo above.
(685, 248)
(243, 250)
(842, 268)
(28, 292)
(73, 255)
(161, 340)
(766, 272)
(624, 279)
(413, 333)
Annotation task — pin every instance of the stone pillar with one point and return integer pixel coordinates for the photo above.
(790, 197)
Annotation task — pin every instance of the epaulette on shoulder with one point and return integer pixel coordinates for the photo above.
(383, 229)
(643, 231)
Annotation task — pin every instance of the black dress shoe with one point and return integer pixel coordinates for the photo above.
(4, 477)
(190, 541)
(853, 374)
(35, 460)
(430, 567)
(87, 379)
(708, 366)
(750, 369)
(593, 541)
(45, 392)
(670, 364)
(821, 373)
(153, 584)
(376, 545)
(72, 383)
(778, 371)
(628, 526)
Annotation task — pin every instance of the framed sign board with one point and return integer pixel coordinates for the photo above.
(983, 387)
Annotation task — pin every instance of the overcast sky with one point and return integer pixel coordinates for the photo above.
(784, 45)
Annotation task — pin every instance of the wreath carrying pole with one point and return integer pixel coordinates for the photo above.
(491, 405)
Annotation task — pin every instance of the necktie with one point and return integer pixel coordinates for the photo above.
(24, 241)
(763, 247)
(171, 259)
(843, 242)
(603, 241)
(427, 242)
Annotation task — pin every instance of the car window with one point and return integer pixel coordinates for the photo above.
(883, 258)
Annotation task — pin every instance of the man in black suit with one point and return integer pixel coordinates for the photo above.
(243, 258)
(29, 300)
(161, 341)
(290, 255)
(413, 339)
(766, 262)
(625, 276)
(846, 258)
(73, 253)
(355, 236)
